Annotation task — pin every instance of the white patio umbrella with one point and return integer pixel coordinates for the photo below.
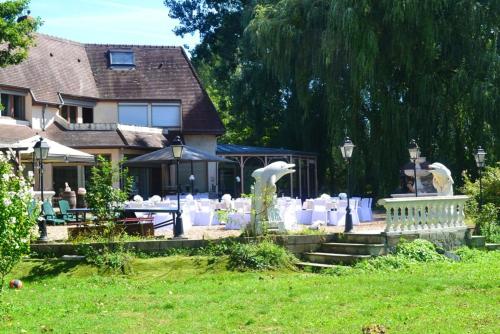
(57, 152)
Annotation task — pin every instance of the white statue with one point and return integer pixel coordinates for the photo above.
(442, 180)
(264, 200)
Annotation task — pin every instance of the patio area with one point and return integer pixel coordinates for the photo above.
(60, 233)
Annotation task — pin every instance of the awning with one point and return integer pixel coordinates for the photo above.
(165, 155)
(57, 152)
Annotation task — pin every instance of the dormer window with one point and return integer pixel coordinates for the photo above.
(121, 58)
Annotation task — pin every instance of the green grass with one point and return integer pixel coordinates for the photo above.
(195, 295)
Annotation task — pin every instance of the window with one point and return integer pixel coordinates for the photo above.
(87, 115)
(133, 114)
(121, 58)
(69, 113)
(13, 106)
(165, 115)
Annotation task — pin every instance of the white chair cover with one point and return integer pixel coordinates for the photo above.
(237, 220)
(365, 210)
(319, 214)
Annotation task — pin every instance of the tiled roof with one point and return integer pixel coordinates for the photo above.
(12, 133)
(105, 138)
(53, 66)
(57, 65)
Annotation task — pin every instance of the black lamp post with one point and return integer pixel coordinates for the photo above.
(346, 149)
(480, 157)
(177, 148)
(414, 151)
(41, 152)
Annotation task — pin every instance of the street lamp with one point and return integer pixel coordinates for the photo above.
(177, 148)
(346, 150)
(480, 157)
(414, 151)
(41, 152)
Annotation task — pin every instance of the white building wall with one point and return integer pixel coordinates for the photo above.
(206, 176)
(37, 116)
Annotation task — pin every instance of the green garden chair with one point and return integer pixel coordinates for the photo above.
(50, 216)
(64, 207)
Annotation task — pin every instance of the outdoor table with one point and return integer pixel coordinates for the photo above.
(76, 211)
(167, 222)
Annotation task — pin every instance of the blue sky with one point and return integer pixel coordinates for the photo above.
(109, 21)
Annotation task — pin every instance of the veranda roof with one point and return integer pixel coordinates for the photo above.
(165, 154)
(57, 152)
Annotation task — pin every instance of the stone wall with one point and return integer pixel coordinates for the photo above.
(448, 239)
(296, 244)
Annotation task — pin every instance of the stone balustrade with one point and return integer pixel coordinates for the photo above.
(412, 214)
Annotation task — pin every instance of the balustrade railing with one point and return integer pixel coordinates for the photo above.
(424, 213)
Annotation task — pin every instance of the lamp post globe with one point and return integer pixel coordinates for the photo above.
(238, 186)
(177, 149)
(191, 180)
(346, 149)
(414, 152)
(41, 152)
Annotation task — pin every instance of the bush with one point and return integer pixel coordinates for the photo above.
(18, 214)
(418, 250)
(489, 224)
(259, 256)
(109, 259)
(103, 198)
(405, 254)
(487, 219)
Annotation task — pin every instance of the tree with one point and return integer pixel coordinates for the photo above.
(18, 214)
(103, 197)
(16, 31)
(307, 73)
(391, 70)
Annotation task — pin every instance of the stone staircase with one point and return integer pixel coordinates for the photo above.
(346, 249)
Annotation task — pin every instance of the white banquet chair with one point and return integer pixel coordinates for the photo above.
(319, 214)
(365, 210)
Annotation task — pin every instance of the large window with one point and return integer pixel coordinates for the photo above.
(162, 115)
(133, 114)
(13, 106)
(165, 115)
(121, 58)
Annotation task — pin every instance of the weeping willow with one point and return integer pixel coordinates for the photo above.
(383, 72)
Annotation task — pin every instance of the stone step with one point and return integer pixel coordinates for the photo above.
(353, 248)
(316, 265)
(334, 258)
(477, 241)
(492, 247)
(361, 238)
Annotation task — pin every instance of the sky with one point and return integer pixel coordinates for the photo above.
(144, 22)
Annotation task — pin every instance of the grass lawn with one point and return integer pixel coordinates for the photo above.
(190, 295)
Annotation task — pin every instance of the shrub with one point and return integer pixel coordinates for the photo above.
(18, 214)
(405, 254)
(109, 259)
(489, 224)
(418, 250)
(259, 256)
(487, 219)
(103, 198)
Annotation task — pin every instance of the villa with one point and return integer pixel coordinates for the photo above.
(118, 101)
